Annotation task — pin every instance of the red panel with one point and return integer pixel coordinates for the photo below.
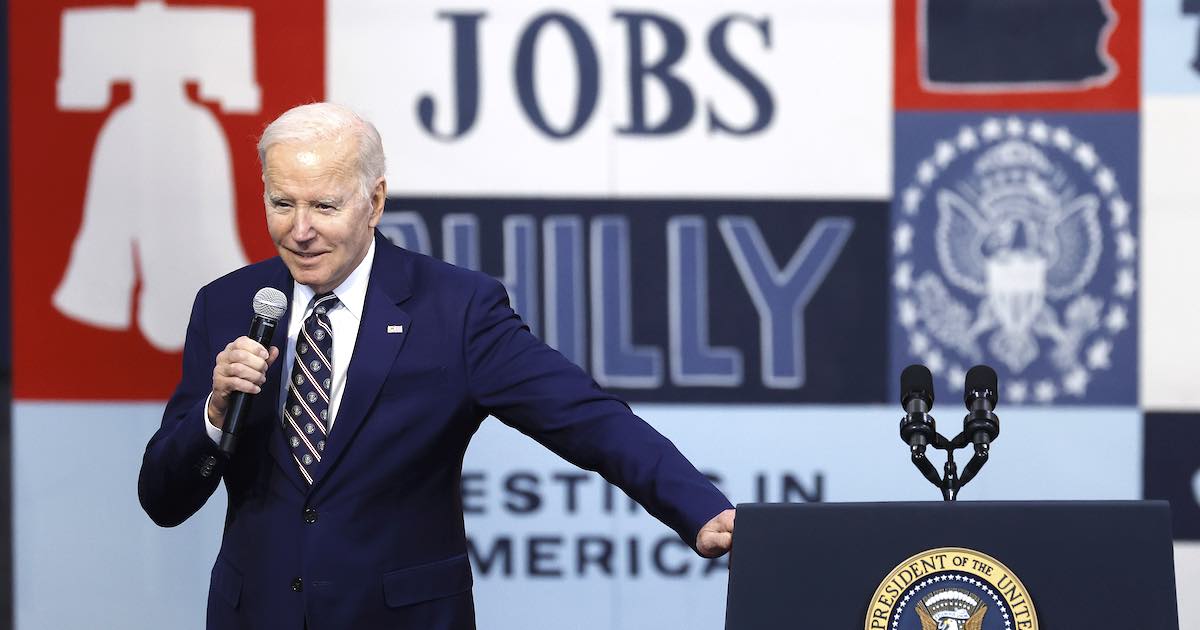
(1120, 94)
(55, 357)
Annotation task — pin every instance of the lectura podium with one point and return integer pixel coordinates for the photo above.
(961, 565)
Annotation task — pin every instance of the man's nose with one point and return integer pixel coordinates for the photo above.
(302, 227)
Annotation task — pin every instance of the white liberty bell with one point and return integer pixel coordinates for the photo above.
(159, 206)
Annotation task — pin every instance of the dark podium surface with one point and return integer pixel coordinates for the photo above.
(1085, 564)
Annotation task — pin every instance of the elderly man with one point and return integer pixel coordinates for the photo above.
(344, 493)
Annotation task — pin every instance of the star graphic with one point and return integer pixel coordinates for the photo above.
(1086, 156)
(1126, 284)
(1044, 391)
(918, 344)
(944, 153)
(902, 277)
(955, 375)
(1039, 132)
(1075, 382)
(1120, 212)
(935, 362)
(1017, 391)
(907, 313)
(1117, 319)
(912, 199)
(1062, 138)
(1126, 245)
(1097, 354)
(966, 139)
(1106, 181)
(926, 172)
(991, 129)
(1014, 127)
(902, 238)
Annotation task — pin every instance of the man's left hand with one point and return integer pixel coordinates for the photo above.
(716, 537)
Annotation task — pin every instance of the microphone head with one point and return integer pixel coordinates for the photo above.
(270, 303)
(916, 382)
(981, 381)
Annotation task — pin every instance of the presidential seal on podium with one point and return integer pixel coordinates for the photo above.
(951, 588)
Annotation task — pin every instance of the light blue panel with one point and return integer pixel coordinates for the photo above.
(1170, 47)
(835, 453)
(80, 535)
(85, 554)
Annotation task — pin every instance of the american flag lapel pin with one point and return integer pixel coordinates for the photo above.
(395, 328)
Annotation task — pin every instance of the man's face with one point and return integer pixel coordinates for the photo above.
(316, 213)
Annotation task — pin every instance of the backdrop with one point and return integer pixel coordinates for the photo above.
(745, 217)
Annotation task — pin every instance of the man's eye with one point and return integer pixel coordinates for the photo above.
(324, 207)
(282, 204)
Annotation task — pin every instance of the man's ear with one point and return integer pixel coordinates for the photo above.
(378, 198)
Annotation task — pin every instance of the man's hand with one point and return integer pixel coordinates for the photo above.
(716, 537)
(241, 367)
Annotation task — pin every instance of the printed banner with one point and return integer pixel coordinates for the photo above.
(151, 186)
(675, 98)
(1014, 243)
(982, 55)
(683, 300)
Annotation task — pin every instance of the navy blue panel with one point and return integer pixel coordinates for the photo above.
(1172, 468)
(1001, 41)
(774, 301)
(1015, 244)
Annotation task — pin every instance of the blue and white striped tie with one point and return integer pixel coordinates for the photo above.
(306, 414)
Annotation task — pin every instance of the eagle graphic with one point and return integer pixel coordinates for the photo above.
(951, 609)
(1017, 234)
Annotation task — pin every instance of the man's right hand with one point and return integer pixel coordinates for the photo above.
(241, 367)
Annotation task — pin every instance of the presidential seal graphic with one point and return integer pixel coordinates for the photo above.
(951, 588)
(1014, 246)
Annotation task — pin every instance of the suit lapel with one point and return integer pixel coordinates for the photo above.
(375, 351)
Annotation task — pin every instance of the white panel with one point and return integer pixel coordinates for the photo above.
(1187, 583)
(856, 452)
(85, 554)
(828, 69)
(1170, 307)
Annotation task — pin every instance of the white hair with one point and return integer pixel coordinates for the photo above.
(328, 121)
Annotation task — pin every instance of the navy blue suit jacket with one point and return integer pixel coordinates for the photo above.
(378, 541)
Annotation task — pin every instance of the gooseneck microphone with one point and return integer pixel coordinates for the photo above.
(981, 395)
(269, 305)
(919, 431)
(916, 396)
(980, 425)
(917, 427)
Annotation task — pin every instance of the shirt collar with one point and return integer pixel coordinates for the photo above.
(352, 292)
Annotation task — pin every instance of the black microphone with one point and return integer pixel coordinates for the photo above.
(269, 306)
(916, 396)
(981, 393)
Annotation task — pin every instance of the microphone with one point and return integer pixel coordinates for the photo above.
(981, 394)
(916, 396)
(269, 306)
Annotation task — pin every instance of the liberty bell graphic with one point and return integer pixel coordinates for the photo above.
(159, 205)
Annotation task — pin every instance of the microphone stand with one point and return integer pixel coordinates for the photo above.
(975, 431)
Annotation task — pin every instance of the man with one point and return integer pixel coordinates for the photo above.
(344, 494)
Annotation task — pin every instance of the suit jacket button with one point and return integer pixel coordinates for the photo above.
(297, 585)
(310, 515)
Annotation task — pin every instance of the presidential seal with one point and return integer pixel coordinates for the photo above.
(951, 588)
(1014, 246)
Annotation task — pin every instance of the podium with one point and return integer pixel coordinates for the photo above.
(1080, 564)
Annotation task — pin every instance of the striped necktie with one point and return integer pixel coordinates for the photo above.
(306, 414)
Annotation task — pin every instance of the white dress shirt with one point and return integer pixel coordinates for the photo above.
(345, 318)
